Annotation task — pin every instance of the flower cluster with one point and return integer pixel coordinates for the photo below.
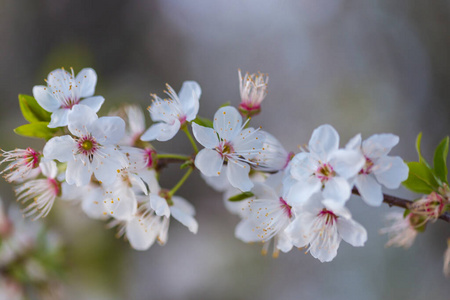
(109, 166)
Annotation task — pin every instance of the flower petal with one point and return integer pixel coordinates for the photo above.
(237, 173)
(80, 118)
(159, 205)
(245, 231)
(302, 166)
(59, 118)
(44, 97)
(60, 148)
(338, 189)
(369, 189)
(140, 234)
(209, 162)
(379, 145)
(227, 122)
(161, 131)
(354, 143)
(207, 137)
(352, 232)
(324, 141)
(298, 230)
(391, 171)
(184, 218)
(108, 130)
(183, 205)
(109, 164)
(300, 192)
(48, 168)
(77, 173)
(189, 96)
(86, 80)
(93, 102)
(347, 163)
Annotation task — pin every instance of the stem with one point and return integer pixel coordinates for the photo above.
(173, 156)
(191, 139)
(403, 203)
(180, 183)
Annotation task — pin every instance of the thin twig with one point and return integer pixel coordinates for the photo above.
(403, 203)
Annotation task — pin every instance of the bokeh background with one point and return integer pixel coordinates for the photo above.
(366, 66)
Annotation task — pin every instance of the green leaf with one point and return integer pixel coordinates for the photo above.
(420, 179)
(203, 122)
(440, 160)
(421, 159)
(36, 130)
(240, 197)
(32, 111)
(225, 104)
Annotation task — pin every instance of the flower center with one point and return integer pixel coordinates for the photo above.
(68, 103)
(87, 145)
(148, 156)
(33, 157)
(225, 149)
(55, 186)
(325, 172)
(328, 215)
(287, 209)
(367, 168)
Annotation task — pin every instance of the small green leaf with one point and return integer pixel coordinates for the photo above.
(420, 179)
(36, 130)
(203, 122)
(32, 111)
(440, 160)
(225, 104)
(421, 159)
(240, 197)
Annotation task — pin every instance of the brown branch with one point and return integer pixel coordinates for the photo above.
(403, 203)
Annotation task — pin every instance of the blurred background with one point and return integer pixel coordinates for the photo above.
(368, 66)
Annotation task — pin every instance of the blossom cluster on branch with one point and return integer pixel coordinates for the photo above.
(109, 165)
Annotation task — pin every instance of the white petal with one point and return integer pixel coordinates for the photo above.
(237, 173)
(77, 173)
(159, 205)
(86, 81)
(352, 232)
(347, 163)
(326, 254)
(219, 183)
(337, 208)
(189, 96)
(284, 242)
(369, 189)
(207, 137)
(120, 203)
(109, 164)
(183, 205)
(264, 191)
(59, 118)
(137, 183)
(95, 103)
(60, 148)
(92, 205)
(245, 231)
(48, 168)
(44, 97)
(303, 165)
(149, 177)
(338, 189)
(209, 162)
(354, 143)
(379, 144)
(324, 141)
(61, 82)
(161, 131)
(391, 171)
(80, 118)
(140, 236)
(298, 230)
(184, 218)
(227, 122)
(108, 130)
(300, 192)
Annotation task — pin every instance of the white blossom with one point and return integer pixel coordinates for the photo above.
(93, 150)
(173, 113)
(320, 224)
(253, 90)
(401, 232)
(324, 168)
(379, 168)
(64, 91)
(228, 141)
(40, 194)
(21, 163)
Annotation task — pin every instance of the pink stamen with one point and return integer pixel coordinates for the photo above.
(329, 215)
(287, 209)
